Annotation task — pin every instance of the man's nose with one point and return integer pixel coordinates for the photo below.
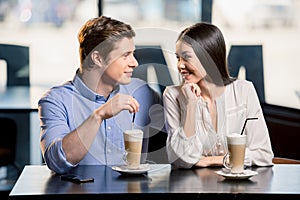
(133, 62)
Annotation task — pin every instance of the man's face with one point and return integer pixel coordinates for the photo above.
(121, 63)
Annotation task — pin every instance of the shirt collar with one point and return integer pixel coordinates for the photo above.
(87, 92)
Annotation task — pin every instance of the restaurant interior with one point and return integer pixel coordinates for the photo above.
(39, 49)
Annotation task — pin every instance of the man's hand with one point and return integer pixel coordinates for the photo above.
(117, 104)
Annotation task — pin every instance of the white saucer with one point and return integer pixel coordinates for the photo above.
(245, 175)
(123, 169)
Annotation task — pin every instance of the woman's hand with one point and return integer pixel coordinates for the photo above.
(117, 104)
(210, 161)
(191, 91)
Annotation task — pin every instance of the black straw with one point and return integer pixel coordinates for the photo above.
(133, 117)
(246, 123)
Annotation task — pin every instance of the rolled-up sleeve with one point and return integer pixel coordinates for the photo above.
(55, 158)
(54, 127)
(182, 151)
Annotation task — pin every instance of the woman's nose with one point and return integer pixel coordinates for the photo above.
(180, 65)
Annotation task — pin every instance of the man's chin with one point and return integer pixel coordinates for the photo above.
(125, 82)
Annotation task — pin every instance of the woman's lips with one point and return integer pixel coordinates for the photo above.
(185, 75)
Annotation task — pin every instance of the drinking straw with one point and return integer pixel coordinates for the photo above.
(133, 117)
(246, 123)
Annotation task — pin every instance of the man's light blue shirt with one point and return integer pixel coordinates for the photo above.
(63, 108)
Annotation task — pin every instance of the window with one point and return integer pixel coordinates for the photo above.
(275, 25)
(271, 23)
(156, 23)
(50, 29)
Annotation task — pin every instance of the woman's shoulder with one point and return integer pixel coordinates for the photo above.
(172, 89)
(242, 84)
(240, 89)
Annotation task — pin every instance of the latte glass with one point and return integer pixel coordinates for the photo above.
(234, 159)
(133, 139)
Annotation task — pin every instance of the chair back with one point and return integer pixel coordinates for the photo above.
(284, 128)
(152, 56)
(17, 62)
(8, 141)
(251, 58)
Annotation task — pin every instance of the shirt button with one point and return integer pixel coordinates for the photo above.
(109, 128)
(108, 150)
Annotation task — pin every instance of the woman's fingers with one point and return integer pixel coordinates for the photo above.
(196, 89)
(191, 90)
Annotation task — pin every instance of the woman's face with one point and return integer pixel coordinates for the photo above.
(188, 63)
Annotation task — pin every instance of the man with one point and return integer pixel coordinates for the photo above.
(82, 121)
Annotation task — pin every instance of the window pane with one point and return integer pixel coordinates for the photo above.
(275, 25)
(158, 13)
(50, 29)
(156, 22)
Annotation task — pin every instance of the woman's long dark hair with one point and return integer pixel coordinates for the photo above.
(209, 46)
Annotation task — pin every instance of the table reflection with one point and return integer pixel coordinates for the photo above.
(278, 182)
(206, 180)
(111, 181)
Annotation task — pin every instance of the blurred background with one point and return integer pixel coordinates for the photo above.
(50, 27)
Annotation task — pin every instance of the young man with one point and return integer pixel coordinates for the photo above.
(82, 121)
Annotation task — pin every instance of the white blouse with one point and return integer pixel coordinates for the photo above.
(238, 102)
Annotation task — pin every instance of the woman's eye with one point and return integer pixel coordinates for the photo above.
(186, 57)
(183, 57)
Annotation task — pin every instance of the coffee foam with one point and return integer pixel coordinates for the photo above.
(236, 139)
(133, 135)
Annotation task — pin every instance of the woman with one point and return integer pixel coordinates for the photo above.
(209, 104)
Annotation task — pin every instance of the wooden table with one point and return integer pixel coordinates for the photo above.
(277, 182)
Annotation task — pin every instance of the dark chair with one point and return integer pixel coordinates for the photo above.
(283, 123)
(251, 58)
(152, 56)
(284, 128)
(8, 142)
(17, 61)
(157, 152)
(16, 58)
(17, 67)
(8, 155)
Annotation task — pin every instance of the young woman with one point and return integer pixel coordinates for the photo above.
(209, 104)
